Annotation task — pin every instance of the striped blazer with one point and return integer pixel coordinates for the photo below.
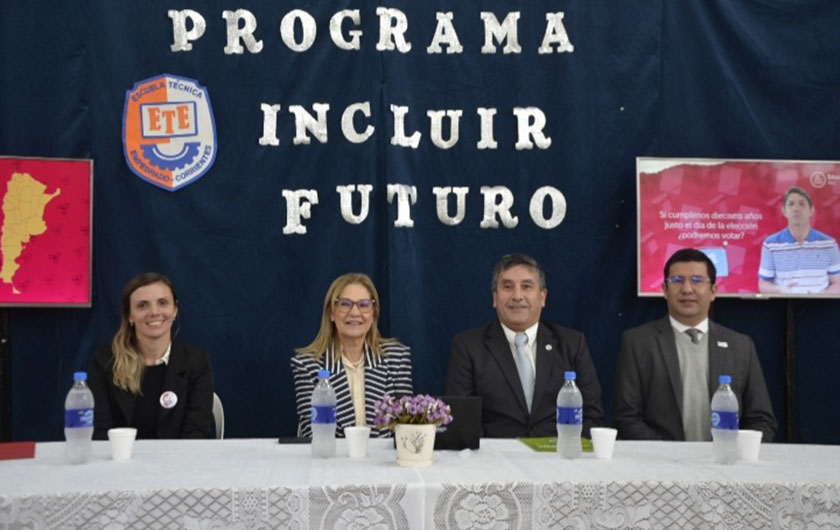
(389, 374)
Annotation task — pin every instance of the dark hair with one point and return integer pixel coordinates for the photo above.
(512, 260)
(800, 191)
(690, 254)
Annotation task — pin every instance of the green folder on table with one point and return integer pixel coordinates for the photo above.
(549, 444)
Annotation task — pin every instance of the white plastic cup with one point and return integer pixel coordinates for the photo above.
(357, 441)
(603, 441)
(749, 445)
(122, 442)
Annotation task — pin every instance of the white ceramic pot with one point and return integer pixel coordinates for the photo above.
(414, 444)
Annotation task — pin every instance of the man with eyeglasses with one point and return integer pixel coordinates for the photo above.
(516, 364)
(668, 369)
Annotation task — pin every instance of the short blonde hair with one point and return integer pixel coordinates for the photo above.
(327, 335)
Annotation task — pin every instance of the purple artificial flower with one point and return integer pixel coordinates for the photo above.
(418, 409)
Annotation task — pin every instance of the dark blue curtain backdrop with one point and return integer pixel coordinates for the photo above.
(718, 78)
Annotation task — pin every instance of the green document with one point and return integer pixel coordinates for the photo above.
(549, 444)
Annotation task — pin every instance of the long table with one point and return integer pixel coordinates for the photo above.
(260, 484)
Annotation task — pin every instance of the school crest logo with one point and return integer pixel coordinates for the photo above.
(169, 135)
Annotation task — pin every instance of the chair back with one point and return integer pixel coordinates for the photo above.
(218, 416)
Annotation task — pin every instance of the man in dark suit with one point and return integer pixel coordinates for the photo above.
(668, 369)
(516, 364)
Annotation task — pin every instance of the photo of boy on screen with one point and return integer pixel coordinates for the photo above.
(799, 259)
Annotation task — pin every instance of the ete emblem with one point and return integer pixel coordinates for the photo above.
(169, 135)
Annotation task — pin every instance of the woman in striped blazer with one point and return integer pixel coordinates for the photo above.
(363, 365)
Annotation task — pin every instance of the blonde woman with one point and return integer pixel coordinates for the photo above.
(146, 380)
(363, 365)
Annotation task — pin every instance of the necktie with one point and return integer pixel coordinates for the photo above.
(694, 334)
(524, 366)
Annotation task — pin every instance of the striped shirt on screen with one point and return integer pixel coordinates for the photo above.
(803, 268)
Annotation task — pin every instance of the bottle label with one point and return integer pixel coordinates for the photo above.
(724, 420)
(570, 415)
(78, 418)
(323, 414)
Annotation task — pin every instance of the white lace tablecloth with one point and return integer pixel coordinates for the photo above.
(259, 484)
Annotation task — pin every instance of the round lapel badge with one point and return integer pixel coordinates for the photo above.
(168, 399)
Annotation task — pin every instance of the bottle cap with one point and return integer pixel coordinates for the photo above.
(323, 374)
(571, 375)
(724, 379)
(79, 376)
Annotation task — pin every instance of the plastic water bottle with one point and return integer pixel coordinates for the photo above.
(323, 417)
(724, 423)
(78, 421)
(569, 418)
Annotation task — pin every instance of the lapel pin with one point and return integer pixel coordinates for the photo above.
(548, 347)
(722, 344)
(168, 399)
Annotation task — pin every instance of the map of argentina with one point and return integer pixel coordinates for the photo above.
(23, 212)
(45, 214)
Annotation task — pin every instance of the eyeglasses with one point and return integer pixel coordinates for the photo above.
(679, 279)
(345, 305)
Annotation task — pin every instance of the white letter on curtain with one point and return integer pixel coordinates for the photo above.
(287, 30)
(269, 136)
(558, 207)
(445, 33)
(392, 27)
(298, 206)
(180, 36)
(399, 137)
(245, 33)
(436, 127)
(487, 141)
(555, 33)
(505, 30)
(347, 122)
(355, 35)
(442, 203)
(306, 122)
(530, 121)
(346, 196)
(498, 201)
(404, 194)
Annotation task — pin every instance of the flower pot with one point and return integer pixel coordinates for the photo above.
(414, 444)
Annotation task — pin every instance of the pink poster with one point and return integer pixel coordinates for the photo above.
(45, 231)
(769, 226)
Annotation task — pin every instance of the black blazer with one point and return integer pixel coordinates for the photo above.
(188, 374)
(648, 388)
(482, 365)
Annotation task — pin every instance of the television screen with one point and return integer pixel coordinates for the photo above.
(769, 226)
